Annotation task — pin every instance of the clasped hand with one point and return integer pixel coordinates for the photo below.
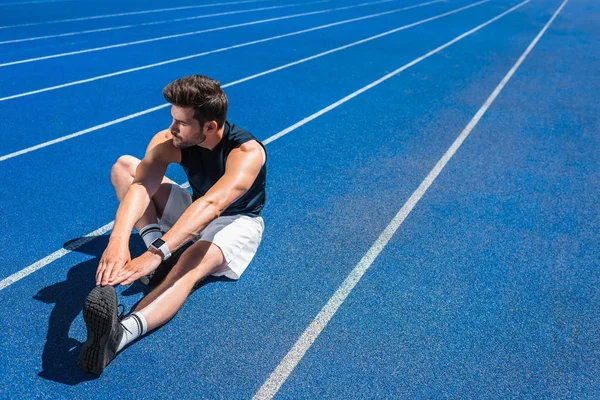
(117, 267)
(137, 268)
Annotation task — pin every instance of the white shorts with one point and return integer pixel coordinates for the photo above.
(238, 236)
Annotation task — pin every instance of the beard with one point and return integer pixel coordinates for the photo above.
(182, 144)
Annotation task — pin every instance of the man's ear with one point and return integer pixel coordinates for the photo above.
(210, 127)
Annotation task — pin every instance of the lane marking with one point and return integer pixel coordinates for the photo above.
(83, 132)
(62, 252)
(293, 357)
(156, 108)
(114, 46)
(54, 256)
(32, 2)
(187, 19)
(158, 10)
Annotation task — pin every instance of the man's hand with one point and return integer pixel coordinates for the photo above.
(137, 268)
(115, 256)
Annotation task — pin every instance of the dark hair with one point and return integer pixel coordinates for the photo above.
(203, 94)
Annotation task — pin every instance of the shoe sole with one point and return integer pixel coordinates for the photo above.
(100, 316)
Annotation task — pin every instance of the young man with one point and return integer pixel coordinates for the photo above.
(225, 166)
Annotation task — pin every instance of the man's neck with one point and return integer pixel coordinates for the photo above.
(212, 142)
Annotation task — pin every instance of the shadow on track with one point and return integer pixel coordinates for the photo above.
(60, 357)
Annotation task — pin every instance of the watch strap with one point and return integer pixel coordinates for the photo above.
(161, 246)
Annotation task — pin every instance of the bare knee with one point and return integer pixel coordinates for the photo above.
(122, 173)
(124, 166)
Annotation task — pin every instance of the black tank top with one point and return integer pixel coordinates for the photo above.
(205, 167)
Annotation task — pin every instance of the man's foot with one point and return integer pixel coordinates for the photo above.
(104, 331)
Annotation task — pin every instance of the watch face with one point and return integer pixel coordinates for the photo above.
(158, 242)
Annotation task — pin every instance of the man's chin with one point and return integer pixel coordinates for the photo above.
(184, 145)
(181, 145)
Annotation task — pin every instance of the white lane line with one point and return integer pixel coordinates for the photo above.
(62, 252)
(128, 117)
(55, 256)
(158, 10)
(114, 46)
(222, 49)
(18, 3)
(34, 267)
(168, 21)
(293, 357)
(83, 132)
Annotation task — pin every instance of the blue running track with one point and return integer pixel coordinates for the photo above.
(488, 289)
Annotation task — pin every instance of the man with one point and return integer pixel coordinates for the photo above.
(225, 166)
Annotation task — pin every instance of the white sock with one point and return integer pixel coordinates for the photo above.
(134, 325)
(150, 233)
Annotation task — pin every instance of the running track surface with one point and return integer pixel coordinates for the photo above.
(488, 289)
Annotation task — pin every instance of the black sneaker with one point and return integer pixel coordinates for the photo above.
(104, 330)
(155, 277)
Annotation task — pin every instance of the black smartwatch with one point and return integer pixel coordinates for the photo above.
(162, 247)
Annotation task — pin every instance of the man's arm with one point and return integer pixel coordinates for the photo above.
(148, 177)
(243, 166)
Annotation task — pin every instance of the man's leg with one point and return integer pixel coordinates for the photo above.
(108, 334)
(159, 306)
(121, 176)
(100, 310)
(237, 235)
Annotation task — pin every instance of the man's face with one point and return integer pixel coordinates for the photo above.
(185, 129)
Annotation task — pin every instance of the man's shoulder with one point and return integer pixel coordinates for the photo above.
(160, 137)
(238, 136)
(162, 149)
(235, 131)
(244, 142)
